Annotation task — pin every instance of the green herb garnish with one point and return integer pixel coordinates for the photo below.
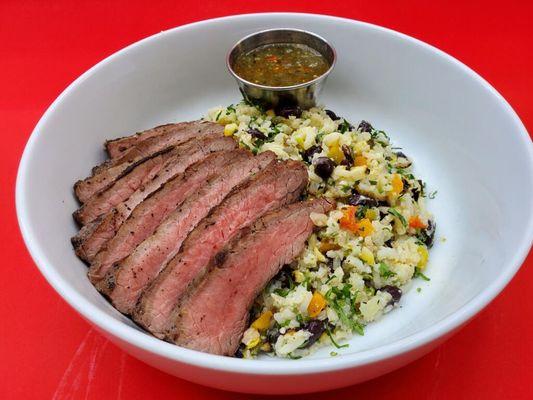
(394, 212)
(344, 126)
(282, 292)
(384, 270)
(418, 274)
(338, 346)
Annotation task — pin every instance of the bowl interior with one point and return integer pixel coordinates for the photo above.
(465, 142)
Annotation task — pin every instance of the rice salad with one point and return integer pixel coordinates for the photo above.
(361, 254)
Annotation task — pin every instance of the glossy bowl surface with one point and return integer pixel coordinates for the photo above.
(465, 139)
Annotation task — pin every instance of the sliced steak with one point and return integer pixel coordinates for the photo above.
(113, 169)
(116, 148)
(147, 216)
(280, 184)
(88, 242)
(128, 278)
(215, 315)
(101, 202)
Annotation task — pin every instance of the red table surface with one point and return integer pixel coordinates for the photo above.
(48, 351)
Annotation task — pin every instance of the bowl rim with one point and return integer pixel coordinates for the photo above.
(134, 337)
(280, 88)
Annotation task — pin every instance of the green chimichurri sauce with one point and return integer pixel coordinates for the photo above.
(281, 64)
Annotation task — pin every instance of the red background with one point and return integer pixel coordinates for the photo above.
(47, 351)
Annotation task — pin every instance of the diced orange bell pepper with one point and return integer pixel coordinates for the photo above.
(348, 220)
(365, 227)
(416, 222)
(316, 305)
(263, 321)
(360, 161)
(397, 184)
(326, 246)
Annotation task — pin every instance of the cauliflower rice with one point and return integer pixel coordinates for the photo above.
(360, 254)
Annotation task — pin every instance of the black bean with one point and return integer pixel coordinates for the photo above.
(403, 164)
(348, 155)
(284, 276)
(256, 133)
(316, 328)
(401, 154)
(332, 115)
(287, 111)
(394, 291)
(429, 233)
(272, 335)
(310, 152)
(238, 353)
(368, 282)
(365, 127)
(359, 200)
(324, 167)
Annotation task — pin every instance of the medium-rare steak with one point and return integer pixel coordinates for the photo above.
(126, 281)
(90, 240)
(101, 202)
(148, 215)
(215, 315)
(113, 169)
(117, 147)
(280, 184)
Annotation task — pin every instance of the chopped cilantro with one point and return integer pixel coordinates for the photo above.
(333, 353)
(345, 126)
(418, 274)
(230, 109)
(282, 292)
(433, 194)
(338, 346)
(384, 270)
(394, 212)
(361, 211)
(218, 115)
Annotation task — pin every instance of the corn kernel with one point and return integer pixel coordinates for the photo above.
(253, 343)
(335, 152)
(424, 255)
(299, 277)
(230, 129)
(367, 256)
(316, 305)
(371, 214)
(263, 321)
(319, 256)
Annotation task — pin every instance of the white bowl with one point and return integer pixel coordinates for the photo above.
(465, 139)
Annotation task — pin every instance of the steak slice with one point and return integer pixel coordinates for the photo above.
(89, 241)
(215, 315)
(280, 184)
(111, 170)
(101, 202)
(118, 147)
(128, 278)
(147, 216)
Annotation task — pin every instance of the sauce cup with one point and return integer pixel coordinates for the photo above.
(304, 94)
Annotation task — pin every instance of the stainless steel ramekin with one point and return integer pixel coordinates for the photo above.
(303, 94)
